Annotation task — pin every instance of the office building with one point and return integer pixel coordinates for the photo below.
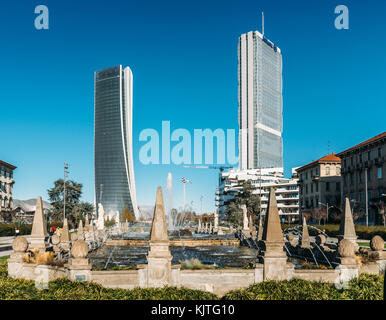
(260, 102)
(114, 170)
(286, 190)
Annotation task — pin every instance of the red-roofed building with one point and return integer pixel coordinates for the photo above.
(320, 186)
(364, 168)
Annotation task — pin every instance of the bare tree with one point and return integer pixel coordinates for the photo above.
(381, 206)
(318, 214)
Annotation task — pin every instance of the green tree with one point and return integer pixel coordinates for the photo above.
(246, 196)
(75, 209)
(233, 213)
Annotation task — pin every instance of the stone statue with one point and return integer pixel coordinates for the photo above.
(245, 217)
(101, 217)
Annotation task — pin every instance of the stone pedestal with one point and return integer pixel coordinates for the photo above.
(78, 266)
(159, 266)
(275, 261)
(38, 243)
(79, 269)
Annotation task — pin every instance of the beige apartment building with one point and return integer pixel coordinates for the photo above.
(6, 185)
(320, 184)
(364, 169)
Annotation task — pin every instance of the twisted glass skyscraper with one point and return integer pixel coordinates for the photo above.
(114, 170)
(260, 102)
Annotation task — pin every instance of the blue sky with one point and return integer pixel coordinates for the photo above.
(183, 55)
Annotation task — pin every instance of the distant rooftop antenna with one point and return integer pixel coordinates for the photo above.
(262, 21)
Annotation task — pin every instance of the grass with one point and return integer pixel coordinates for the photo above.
(366, 244)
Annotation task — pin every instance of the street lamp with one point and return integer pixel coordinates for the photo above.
(327, 207)
(65, 175)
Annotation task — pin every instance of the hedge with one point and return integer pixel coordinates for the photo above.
(366, 287)
(363, 232)
(64, 289)
(8, 229)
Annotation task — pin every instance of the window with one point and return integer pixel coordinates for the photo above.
(338, 186)
(380, 173)
(312, 187)
(327, 186)
(369, 174)
(337, 171)
(361, 196)
(360, 175)
(368, 155)
(351, 178)
(352, 161)
(345, 163)
(360, 158)
(345, 179)
(379, 152)
(327, 171)
(317, 186)
(306, 188)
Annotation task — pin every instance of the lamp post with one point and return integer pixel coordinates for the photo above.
(367, 199)
(65, 175)
(327, 207)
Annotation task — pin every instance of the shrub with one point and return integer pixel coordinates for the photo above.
(64, 289)
(194, 264)
(365, 287)
(8, 229)
(363, 232)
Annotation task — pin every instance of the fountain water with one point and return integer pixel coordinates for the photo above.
(169, 199)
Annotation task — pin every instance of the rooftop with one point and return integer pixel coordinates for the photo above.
(8, 165)
(364, 143)
(328, 158)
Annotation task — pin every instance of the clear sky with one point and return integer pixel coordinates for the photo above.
(183, 55)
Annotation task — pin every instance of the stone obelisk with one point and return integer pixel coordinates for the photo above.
(273, 255)
(65, 236)
(306, 243)
(86, 224)
(159, 257)
(39, 228)
(80, 233)
(347, 228)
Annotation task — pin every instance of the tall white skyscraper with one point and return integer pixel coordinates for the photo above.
(260, 102)
(113, 143)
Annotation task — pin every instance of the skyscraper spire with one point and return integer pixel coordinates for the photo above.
(262, 22)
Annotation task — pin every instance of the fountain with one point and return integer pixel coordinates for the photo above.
(158, 262)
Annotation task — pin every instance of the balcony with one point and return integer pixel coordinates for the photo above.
(316, 177)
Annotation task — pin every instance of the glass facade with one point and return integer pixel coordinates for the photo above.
(260, 102)
(114, 176)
